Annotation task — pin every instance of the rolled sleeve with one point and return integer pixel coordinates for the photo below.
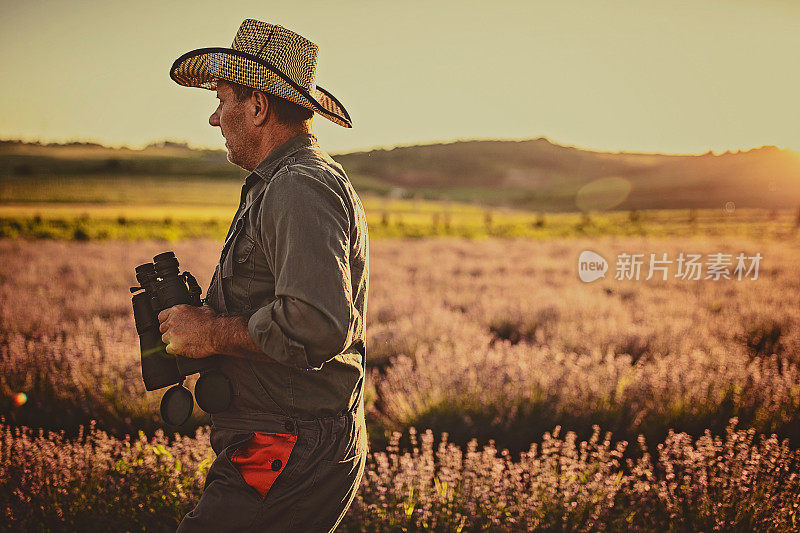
(305, 231)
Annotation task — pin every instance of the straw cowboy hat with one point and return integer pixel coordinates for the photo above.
(267, 57)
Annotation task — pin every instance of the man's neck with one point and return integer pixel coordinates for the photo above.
(271, 141)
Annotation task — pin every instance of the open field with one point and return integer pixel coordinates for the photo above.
(510, 367)
(490, 339)
(472, 189)
(390, 219)
(494, 339)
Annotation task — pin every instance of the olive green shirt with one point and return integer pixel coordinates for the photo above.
(296, 262)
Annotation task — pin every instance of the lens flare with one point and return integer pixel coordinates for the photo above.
(19, 399)
(603, 193)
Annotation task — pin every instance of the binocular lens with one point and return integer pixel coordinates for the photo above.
(213, 392)
(177, 405)
(145, 274)
(166, 264)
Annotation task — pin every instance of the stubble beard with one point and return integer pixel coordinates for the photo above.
(233, 156)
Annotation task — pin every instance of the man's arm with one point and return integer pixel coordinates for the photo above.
(305, 229)
(231, 337)
(199, 332)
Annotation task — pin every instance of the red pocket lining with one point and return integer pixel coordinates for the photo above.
(255, 460)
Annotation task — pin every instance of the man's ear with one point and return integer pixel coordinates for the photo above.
(260, 108)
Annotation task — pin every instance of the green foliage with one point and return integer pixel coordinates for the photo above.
(396, 219)
(100, 229)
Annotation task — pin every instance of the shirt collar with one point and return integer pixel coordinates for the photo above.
(269, 164)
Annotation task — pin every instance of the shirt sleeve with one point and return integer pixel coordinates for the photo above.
(306, 234)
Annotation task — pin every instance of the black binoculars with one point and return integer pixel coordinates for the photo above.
(161, 287)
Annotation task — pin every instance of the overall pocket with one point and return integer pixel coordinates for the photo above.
(237, 272)
(242, 248)
(262, 459)
(236, 253)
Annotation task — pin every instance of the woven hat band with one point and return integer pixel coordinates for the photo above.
(250, 73)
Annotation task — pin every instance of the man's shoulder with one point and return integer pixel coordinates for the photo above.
(314, 159)
(305, 181)
(311, 164)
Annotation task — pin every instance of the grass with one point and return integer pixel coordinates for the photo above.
(387, 219)
(161, 193)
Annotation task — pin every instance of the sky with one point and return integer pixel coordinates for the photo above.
(636, 76)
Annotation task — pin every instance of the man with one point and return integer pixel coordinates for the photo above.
(287, 302)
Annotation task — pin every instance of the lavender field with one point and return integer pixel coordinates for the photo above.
(539, 401)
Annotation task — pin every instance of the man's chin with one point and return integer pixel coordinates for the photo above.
(234, 159)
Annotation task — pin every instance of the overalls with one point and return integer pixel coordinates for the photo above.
(275, 471)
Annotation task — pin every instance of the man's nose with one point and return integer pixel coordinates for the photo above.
(214, 119)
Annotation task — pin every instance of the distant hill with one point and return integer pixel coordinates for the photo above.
(158, 159)
(531, 174)
(537, 173)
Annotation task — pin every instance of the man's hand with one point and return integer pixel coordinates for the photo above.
(188, 330)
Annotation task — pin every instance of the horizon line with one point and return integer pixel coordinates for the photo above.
(200, 147)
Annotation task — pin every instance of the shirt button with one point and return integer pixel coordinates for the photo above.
(289, 425)
(276, 465)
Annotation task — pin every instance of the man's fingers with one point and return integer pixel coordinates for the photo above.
(165, 338)
(163, 315)
(170, 350)
(163, 327)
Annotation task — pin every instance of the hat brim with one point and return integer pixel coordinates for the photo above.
(193, 69)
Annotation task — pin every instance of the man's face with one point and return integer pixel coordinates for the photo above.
(231, 118)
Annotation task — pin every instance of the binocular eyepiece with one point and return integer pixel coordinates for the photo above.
(161, 286)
